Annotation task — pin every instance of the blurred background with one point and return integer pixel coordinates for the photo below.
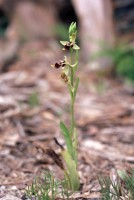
(106, 30)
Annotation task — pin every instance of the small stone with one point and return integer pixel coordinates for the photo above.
(14, 188)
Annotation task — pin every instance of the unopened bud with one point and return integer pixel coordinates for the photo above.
(64, 77)
(72, 32)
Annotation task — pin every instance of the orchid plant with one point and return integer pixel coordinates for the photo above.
(68, 75)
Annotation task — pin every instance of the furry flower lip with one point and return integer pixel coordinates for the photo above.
(68, 45)
(61, 63)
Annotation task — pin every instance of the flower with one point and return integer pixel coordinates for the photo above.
(62, 64)
(67, 45)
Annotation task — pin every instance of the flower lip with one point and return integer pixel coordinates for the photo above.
(68, 45)
(62, 64)
(57, 65)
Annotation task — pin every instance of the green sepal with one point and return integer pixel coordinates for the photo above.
(71, 172)
(76, 47)
(63, 42)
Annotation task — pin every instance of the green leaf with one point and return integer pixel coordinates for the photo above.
(71, 171)
(75, 139)
(75, 146)
(67, 137)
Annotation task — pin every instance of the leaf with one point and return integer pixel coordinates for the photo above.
(72, 171)
(75, 138)
(67, 138)
(75, 146)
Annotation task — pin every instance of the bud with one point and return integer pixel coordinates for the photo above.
(72, 28)
(72, 32)
(64, 77)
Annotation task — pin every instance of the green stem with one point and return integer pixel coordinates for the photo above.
(72, 97)
(76, 60)
(72, 120)
(72, 72)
